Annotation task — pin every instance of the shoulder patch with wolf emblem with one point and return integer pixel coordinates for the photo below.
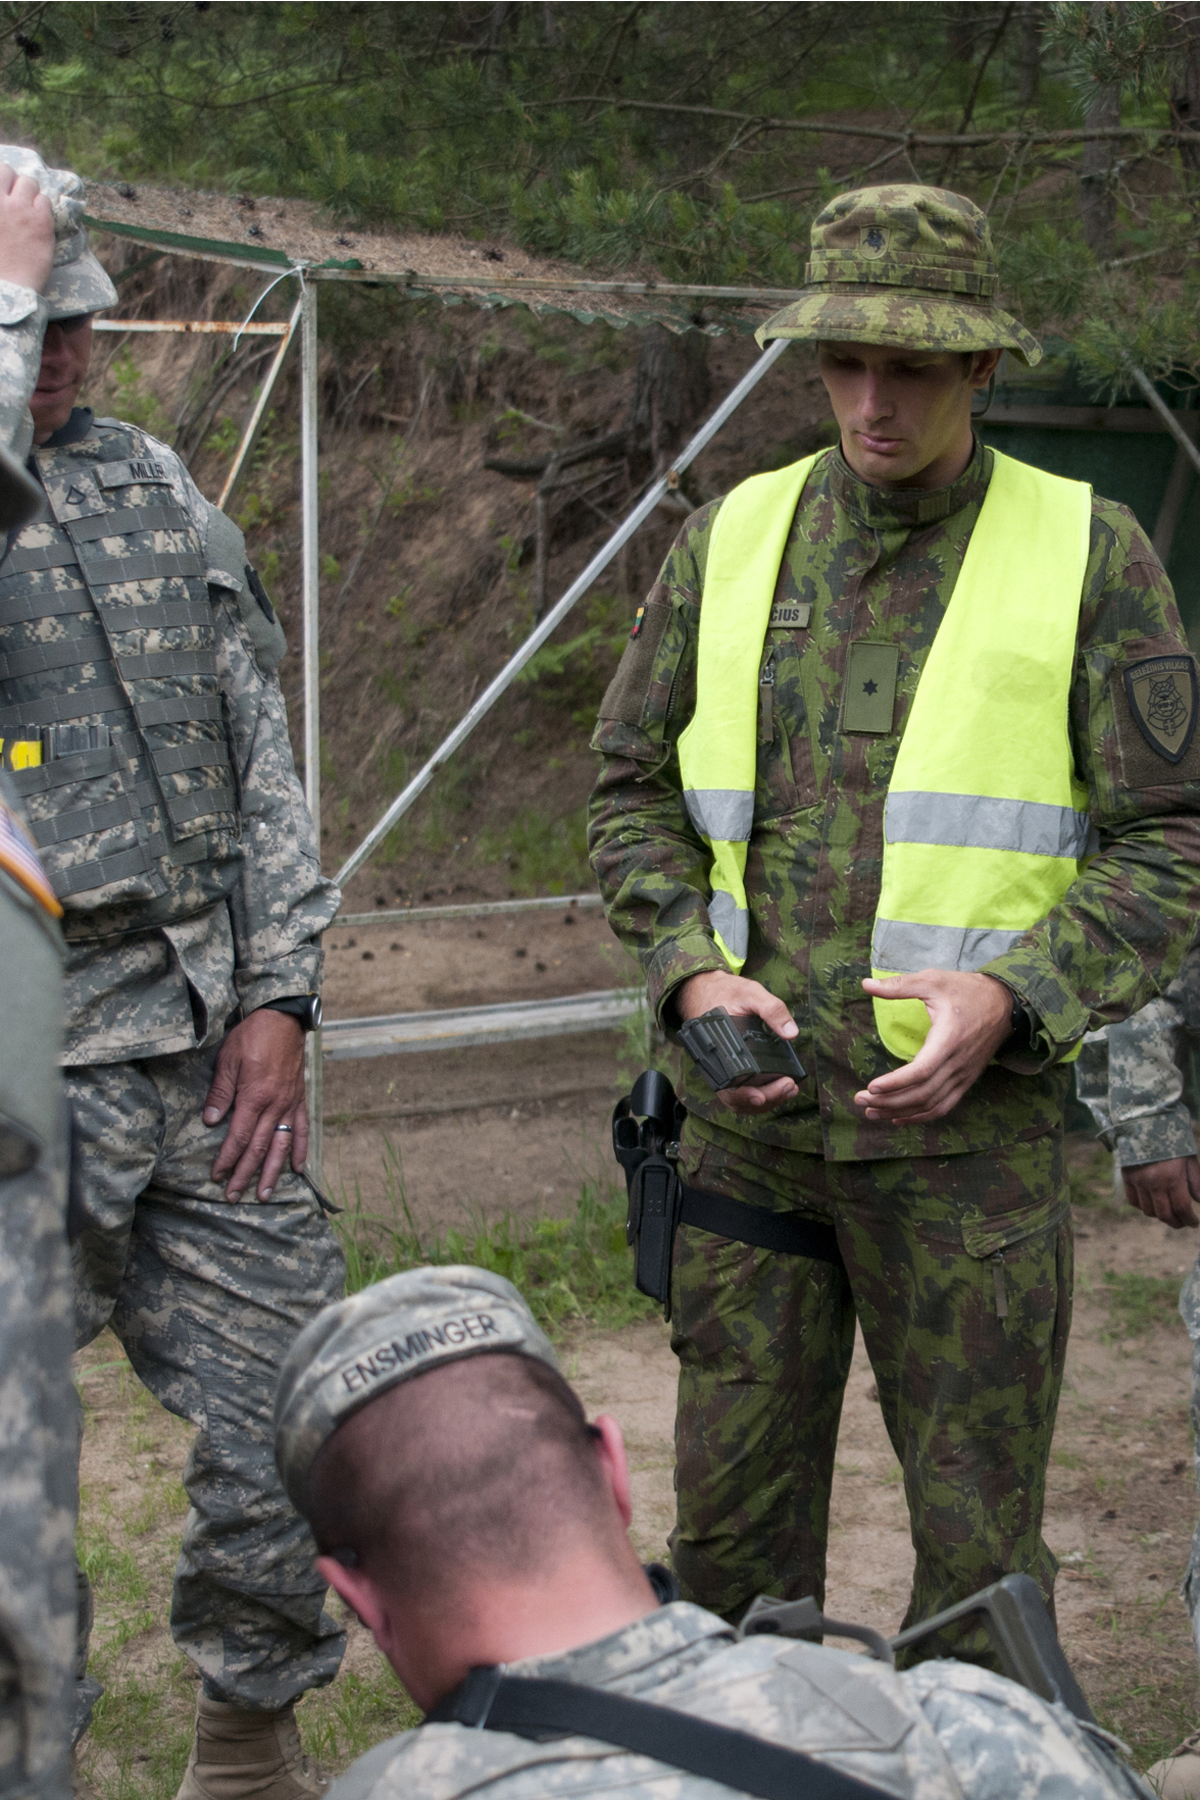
(1164, 703)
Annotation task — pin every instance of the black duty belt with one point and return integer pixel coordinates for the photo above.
(785, 1232)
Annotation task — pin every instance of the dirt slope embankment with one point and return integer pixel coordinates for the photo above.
(428, 557)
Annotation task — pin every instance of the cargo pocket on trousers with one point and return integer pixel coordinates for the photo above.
(88, 828)
(1017, 1320)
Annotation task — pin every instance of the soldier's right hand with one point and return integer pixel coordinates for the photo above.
(739, 996)
(26, 231)
(1168, 1190)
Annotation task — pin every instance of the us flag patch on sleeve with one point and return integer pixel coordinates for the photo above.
(19, 857)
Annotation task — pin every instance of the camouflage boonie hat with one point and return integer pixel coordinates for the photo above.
(912, 267)
(355, 1351)
(77, 282)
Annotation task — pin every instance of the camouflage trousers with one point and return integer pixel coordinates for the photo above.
(958, 1271)
(206, 1298)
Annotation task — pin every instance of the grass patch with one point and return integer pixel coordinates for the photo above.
(356, 1713)
(573, 1269)
(1137, 1302)
(547, 856)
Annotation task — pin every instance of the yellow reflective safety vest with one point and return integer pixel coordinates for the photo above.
(985, 824)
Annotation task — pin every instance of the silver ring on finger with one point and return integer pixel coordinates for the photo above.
(284, 1128)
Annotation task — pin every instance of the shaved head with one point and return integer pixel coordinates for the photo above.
(482, 1469)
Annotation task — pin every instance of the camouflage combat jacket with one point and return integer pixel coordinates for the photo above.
(935, 1733)
(1132, 1075)
(867, 563)
(216, 898)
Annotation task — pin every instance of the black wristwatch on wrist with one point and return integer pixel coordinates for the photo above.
(1021, 1023)
(304, 1007)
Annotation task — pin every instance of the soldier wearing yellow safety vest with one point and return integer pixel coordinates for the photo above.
(902, 758)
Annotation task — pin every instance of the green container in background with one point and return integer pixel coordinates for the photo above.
(1135, 467)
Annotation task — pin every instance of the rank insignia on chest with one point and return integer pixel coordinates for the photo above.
(870, 696)
(1163, 698)
(790, 615)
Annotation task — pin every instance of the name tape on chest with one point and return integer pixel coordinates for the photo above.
(448, 1339)
(125, 474)
(790, 615)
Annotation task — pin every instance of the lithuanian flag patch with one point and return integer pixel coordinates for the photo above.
(19, 858)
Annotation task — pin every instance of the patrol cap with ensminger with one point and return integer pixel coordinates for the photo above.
(404, 1326)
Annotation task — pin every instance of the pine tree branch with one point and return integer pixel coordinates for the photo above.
(916, 140)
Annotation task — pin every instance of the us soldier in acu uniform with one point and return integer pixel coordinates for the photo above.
(1138, 1079)
(887, 757)
(478, 1523)
(146, 735)
(37, 1399)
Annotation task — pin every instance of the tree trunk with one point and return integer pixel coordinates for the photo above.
(1185, 88)
(1029, 54)
(670, 394)
(1097, 195)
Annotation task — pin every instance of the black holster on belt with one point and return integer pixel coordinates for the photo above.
(659, 1201)
(646, 1154)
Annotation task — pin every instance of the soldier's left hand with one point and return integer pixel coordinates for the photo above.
(1168, 1190)
(260, 1073)
(970, 1016)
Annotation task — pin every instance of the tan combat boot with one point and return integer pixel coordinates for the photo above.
(241, 1755)
(1177, 1777)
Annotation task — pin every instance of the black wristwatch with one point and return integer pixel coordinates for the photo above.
(1022, 1025)
(304, 1007)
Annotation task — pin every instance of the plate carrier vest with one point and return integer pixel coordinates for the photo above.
(108, 657)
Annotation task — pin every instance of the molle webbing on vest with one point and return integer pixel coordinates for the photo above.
(87, 599)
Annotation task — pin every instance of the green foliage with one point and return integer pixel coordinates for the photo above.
(570, 1270)
(132, 400)
(638, 134)
(1137, 1302)
(544, 856)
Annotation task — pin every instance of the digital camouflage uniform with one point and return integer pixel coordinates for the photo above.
(940, 1732)
(139, 650)
(1134, 1077)
(955, 1234)
(37, 1398)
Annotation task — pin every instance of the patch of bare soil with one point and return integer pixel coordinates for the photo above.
(1122, 1504)
(1122, 1497)
(501, 1128)
(427, 556)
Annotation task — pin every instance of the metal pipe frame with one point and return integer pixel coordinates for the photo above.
(225, 327)
(1169, 419)
(250, 435)
(558, 613)
(474, 909)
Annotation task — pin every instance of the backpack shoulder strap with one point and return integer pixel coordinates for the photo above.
(491, 1701)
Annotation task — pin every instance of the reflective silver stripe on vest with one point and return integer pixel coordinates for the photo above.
(903, 948)
(977, 822)
(731, 920)
(725, 813)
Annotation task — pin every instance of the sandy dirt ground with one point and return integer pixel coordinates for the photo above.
(1122, 1500)
(1122, 1497)
(513, 1127)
